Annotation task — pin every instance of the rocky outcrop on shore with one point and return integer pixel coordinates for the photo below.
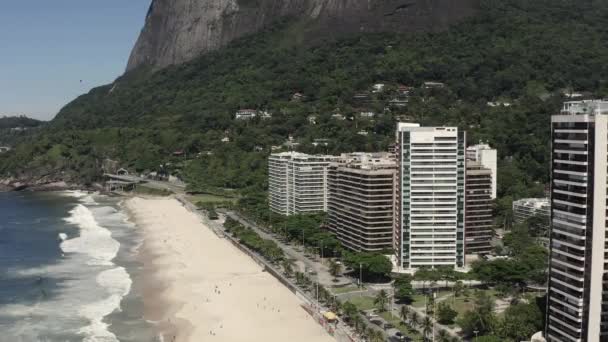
(12, 184)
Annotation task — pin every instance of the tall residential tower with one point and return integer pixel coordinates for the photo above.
(297, 183)
(577, 308)
(479, 221)
(430, 197)
(361, 190)
(487, 156)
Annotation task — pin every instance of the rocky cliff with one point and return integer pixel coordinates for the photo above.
(177, 31)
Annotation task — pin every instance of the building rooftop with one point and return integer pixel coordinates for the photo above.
(590, 107)
(368, 161)
(300, 155)
(533, 202)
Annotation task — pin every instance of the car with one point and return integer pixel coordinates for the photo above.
(370, 315)
(388, 326)
(377, 322)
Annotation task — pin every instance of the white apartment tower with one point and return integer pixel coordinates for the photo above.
(487, 156)
(577, 308)
(430, 197)
(297, 183)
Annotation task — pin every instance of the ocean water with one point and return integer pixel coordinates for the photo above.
(67, 264)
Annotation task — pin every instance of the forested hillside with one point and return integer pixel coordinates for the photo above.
(14, 128)
(522, 52)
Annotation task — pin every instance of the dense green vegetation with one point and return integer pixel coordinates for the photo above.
(518, 51)
(248, 237)
(526, 262)
(18, 121)
(14, 128)
(519, 321)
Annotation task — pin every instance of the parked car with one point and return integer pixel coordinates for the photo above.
(370, 315)
(377, 322)
(397, 336)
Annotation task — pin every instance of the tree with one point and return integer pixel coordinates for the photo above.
(427, 327)
(446, 314)
(443, 336)
(335, 269)
(404, 313)
(458, 288)
(403, 289)
(521, 321)
(481, 319)
(430, 303)
(373, 266)
(350, 310)
(380, 300)
(414, 319)
(288, 265)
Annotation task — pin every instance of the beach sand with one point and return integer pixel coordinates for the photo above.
(202, 288)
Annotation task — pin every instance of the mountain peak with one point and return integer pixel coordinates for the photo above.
(177, 31)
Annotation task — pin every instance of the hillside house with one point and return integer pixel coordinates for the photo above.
(246, 114)
(378, 87)
(321, 141)
(433, 85)
(297, 97)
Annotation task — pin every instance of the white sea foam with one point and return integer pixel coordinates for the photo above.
(92, 286)
(89, 199)
(74, 193)
(94, 240)
(118, 284)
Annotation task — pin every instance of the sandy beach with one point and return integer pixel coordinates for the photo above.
(201, 288)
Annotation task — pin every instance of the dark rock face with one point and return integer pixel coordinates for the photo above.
(177, 31)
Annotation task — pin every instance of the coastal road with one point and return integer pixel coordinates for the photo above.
(323, 276)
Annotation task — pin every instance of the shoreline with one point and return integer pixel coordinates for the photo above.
(197, 286)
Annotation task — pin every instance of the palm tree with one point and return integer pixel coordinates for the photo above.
(427, 327)
(358, 323)
(404, 313)
(288, 265)
(443, 336)
(381, 300)
(374, 335)
(335, 269)
(414, 320)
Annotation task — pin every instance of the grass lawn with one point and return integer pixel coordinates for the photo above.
(394, 320)
(462, 304)
(345, 289)
(145, 190)
(363, 303)
(208, 198)
(418, 299)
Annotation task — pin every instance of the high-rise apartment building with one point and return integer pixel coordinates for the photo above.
(577, 297)
(297, 182)
(487, 156)
(478, 208)
(430, 197)
(360, 210)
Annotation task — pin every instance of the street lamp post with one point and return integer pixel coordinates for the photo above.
(360, 276)
(476, 332)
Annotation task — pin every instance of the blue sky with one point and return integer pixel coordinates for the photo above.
(47, 47)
